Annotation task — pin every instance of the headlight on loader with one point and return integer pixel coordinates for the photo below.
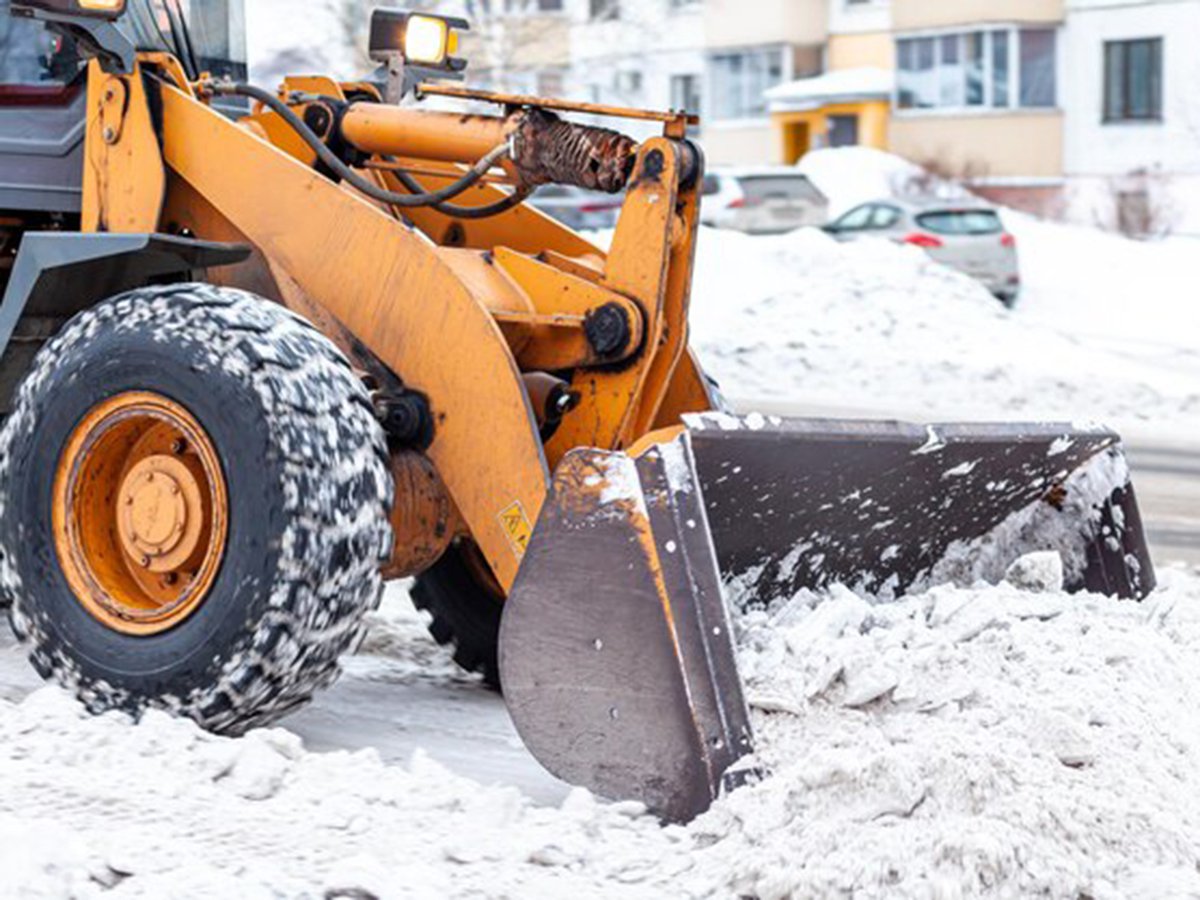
(426, 40)
(100, 9)
(421, 39)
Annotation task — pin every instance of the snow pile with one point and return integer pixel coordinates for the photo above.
(1136, 296)
(959, 742)
(879, 326)
(849, 176)
(972, 741)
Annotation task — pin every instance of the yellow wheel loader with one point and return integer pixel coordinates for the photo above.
(264, 349)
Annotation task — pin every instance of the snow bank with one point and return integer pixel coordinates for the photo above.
(965, 741)
(804, 319)
(1111, 309)
(849, 176)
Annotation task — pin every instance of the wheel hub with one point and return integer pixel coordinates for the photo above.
(140, 513)
(160, 513)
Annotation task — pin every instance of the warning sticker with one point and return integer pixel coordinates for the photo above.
(516, 526)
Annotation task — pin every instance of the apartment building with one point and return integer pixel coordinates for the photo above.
(849, 103)
(978, 93)
(1088, 108)
(1132, 136)
(714, 57)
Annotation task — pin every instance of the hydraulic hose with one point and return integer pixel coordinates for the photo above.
(420, 198)
(516, 198)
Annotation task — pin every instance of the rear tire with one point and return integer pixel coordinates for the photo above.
(465, 613)
(307, 505)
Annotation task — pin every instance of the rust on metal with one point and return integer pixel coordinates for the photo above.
(550, 150)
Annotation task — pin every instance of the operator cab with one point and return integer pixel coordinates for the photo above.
(43, 88)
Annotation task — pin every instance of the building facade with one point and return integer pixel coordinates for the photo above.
(1132, 137)
(1084, 108)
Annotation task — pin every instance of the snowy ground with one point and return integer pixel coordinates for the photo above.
(992, 740)
(1003, 740)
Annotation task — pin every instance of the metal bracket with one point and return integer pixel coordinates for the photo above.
(96, 37)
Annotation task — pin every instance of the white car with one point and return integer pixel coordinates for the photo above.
(965, 235)
(761, 200)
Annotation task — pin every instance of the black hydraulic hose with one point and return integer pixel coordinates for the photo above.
(343, 171)
(516, 198)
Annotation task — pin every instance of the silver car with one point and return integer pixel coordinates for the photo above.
(577, 208)
(761, 200)
(967, 236)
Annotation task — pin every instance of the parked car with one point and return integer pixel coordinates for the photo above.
(577, 208)
(765, 200)
(967, 236)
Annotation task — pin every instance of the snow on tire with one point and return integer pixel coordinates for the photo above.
(308, 490)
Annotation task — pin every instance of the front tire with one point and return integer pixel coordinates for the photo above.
(303, 482)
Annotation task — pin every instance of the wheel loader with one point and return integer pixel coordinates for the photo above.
(264, 349)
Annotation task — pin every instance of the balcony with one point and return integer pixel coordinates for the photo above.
(916, 15)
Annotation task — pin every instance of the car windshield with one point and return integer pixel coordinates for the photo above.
(758, 188)
(961, 221)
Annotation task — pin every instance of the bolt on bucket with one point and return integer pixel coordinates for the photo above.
(616, 649)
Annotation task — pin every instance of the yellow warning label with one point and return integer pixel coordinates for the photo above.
(516, 526)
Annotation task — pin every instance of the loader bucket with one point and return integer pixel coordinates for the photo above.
(616, 652)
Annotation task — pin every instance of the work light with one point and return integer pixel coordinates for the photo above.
(421, 39)
(99, 9)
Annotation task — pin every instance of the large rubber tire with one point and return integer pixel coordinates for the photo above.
(304, 461)
(465, 614)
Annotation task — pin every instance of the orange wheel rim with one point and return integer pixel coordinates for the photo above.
(140, 513)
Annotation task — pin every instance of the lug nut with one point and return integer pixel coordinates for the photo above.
(179, 446)
(145, 562)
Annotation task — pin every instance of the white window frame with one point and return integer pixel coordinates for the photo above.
(708, 85)
(1014, 71)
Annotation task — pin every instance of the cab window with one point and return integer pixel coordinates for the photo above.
(32, 59)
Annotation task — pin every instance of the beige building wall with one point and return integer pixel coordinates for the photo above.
(909, 15)
(1027, 144)
(738, 23)
(855, 51)
(742, 145)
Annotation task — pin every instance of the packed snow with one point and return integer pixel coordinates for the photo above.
(880, 327)
(1105, 327)
(1005, 740)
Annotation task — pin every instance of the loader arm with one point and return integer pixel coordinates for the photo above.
(413, 302)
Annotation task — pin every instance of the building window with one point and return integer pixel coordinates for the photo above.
(604, 10)
(685, 95)
(1133, 80)
(627, 82)
(977, 69)
(739, 79)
